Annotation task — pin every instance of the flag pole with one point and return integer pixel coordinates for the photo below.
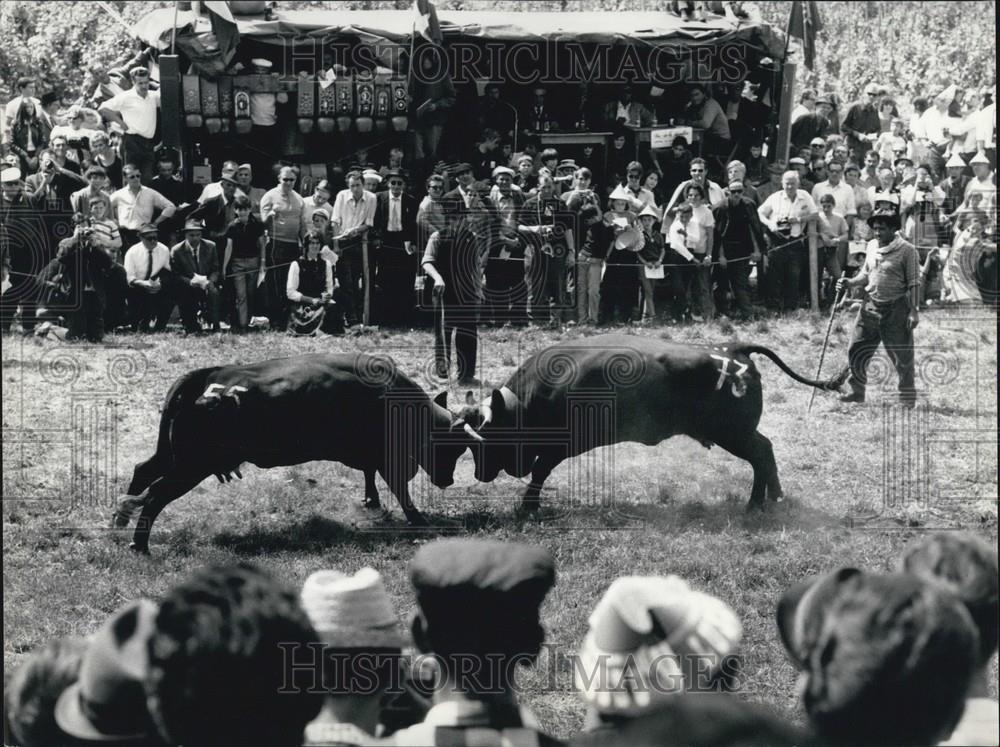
(788, 29)
(173, 31)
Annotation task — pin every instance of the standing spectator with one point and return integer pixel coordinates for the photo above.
(213, 189)
(244, 178)
(852, 176)
(494, 113)
(773, 184)
(506, 295)
(869, 175)
(582, 194)
(887, 112)
(548, 225)
(701, 282)
(885, 190)
(220, 666)
(362, 646)
(986, 131)
(23, 251)
(452, 262)
(741, 242)
(395, 229)
(699, 176)
(26, 89)
(310, 290)
(833, 231)
(194, 265)
(633, 185)
(704, 111)
(620, 285)
(861, 124)
(51, 101)
(96, 182)
(107, 703)
(353, 216)
(135, 112)
(103, 155)
(892, 140)
(736, 171)
(806, 105)
(650, 257)
(889, 315)
(245, 255)
(217, 212)
(983, 181)
(674, 165)
(684, 237)
(963, 128)
(801, 167)
(885, 658)
(841, 191)
(933, 131)
(786, 214)
(478, 613)
(282, 212)
(619, 157)
(651, 183)
(967, 566)
(147, 270)
(318, 201)
(811, 125)
(485, 156)
(135, 205)
(167, 182)
(76, 135)
(26, 135)
(953, 185)
(595, 241)
(538, 116)
(430, 213)
(54, 183)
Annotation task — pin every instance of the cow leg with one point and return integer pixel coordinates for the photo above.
(540, 472)
(755, 449)
(145, 474)
(160, 493)
(371, 491)
(399, 485)
(774, 491)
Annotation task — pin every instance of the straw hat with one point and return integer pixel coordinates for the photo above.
(956, 162)
(980, 157)
(651, 210)
(351, 611)
(620, 193)
(646, 635)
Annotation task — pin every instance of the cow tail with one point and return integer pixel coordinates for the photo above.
(831, 384)
(182, 395)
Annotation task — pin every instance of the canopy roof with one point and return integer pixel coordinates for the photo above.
(624, 28)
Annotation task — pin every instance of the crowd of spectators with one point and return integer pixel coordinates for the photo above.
(681, 234)
(233, 656)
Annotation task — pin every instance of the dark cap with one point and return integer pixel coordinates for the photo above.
(884, 215)
(324, 184)
(395, 174)
(473, 593)
(227, 178)
(461, 169)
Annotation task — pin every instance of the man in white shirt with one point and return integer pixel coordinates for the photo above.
(147, 269)
(318, 201)
(986, 132)
(699, 175)
(133, 206)
(786, 214)
(933, 132)
(843, 193)
(353, 216)
(135, 112)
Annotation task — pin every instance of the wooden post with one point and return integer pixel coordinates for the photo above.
(813, 267)
(366, 317)
(785, 112)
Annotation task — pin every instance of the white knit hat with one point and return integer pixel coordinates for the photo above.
(645, 635)
(351, 611)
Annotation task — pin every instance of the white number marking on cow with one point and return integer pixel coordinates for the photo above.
(739, 387)
(215, 391)
(233, 392)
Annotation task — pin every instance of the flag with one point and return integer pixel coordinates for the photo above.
(227, 36)
(803, 24)
(431, 89)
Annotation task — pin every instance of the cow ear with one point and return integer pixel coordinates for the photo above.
(442, 399)
(497, 403)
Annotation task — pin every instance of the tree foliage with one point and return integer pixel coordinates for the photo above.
(911, 48)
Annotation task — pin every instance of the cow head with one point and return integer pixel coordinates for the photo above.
(484, 423)
(448, 442)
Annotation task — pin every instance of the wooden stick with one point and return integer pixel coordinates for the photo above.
(366, 317)
(822, 355)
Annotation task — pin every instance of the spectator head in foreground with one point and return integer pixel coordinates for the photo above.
(107, 703)
(476, 599)
(31, 694)
(967, 566)
(651, 638)
(220, 661)
(884, 658)
(354, 618)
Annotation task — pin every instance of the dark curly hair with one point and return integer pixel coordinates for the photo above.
(220, 661)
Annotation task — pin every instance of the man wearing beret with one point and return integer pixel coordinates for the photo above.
(891, 279)
(478, 615)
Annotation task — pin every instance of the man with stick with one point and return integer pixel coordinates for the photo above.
(891, 279)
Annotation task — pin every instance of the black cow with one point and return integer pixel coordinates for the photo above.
(551, 407)
(356, 409)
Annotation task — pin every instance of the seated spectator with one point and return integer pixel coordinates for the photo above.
(105, 156)
(625, 110)
(526, 179)
(354, 618)
(245, 258)
(220, 666)
(703, 111)
(372, 180)
(107, 702)
(34, 687)
(147, 272)
(650, 639)
(967, 566)
(885, 658)
(538, 116)
(310, 290)
(194, 265)
(96, 181)
(478, 613)
(485, 156)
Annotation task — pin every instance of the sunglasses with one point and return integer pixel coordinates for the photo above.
(436, 186)
(697, 171)
(395, 184)
(288, 180)
(736, 191)
(132, 176)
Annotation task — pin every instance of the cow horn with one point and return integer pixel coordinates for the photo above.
(487, 414)
(472, 432)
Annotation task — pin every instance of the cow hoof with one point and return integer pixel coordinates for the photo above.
(416, 520)
(119, 521)
(372, 503)
(529, 509)
(139, 549)
(755, 506)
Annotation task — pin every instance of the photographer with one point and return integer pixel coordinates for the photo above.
(85, 265)
(786, 214)
(53, 183)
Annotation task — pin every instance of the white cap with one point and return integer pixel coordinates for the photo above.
(261, 62)
(980, 157)
(10, 175)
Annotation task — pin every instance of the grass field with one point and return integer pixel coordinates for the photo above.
(861, 482)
